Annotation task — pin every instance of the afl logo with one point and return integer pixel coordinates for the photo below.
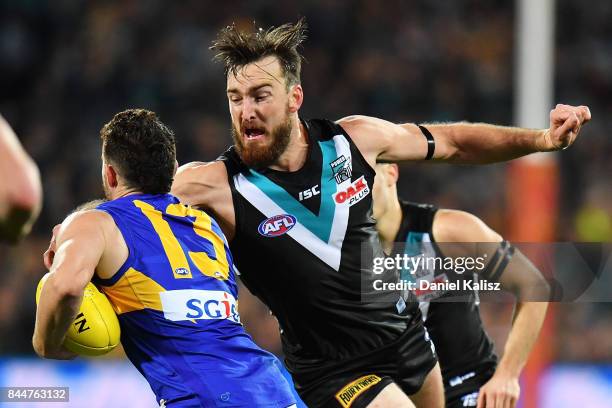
(276, 225)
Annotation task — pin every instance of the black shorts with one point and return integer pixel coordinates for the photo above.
(356, 381)
(462, 390)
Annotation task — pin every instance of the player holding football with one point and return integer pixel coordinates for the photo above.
(20, 188)
(293, 196)
(169, 275)
(452, 319)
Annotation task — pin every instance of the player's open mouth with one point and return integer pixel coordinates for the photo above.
(254, 133)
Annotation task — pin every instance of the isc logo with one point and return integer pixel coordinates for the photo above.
(276, 225)
(308, 193)
(196, 304)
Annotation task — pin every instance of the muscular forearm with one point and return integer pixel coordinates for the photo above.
(56, 311)
(526, 326)
(477, 143)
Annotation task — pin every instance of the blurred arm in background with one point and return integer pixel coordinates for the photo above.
(518, 276)
(20, 187)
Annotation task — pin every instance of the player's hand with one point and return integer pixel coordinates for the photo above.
(501, 391)
(60, 354)
(565, 124)
(50, 252)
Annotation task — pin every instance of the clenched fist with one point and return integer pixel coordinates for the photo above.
(565, 124)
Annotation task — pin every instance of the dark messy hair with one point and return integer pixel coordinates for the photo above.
(142, 148)
(237, 48)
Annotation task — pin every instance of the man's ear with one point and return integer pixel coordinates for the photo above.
(296, 98)
(111, 175)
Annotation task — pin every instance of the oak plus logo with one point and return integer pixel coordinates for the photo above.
(354, 193)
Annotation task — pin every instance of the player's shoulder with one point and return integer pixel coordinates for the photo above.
(370, 134)
(86, 222)
(88, 215)
(461, 226)
(200, 173)
(198, 167)
(356, 122)
(198, 183)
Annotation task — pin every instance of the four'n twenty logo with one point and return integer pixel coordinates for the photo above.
(276, 225)
(81, 323)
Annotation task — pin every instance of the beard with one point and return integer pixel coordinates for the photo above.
(262, 155)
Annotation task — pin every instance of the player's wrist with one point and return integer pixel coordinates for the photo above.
(542, 141)
(508, 370)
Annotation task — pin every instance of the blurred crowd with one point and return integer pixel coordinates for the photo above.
(66, 67)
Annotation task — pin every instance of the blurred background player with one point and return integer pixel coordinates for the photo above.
(464, 350)
(297, 193)
(20, 187)
(169, 275)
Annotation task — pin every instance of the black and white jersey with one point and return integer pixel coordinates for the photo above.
(298, 243)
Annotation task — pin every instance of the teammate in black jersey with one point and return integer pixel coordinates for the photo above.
(464, 350)
(293, 197)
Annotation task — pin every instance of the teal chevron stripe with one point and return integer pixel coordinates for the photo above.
(320, 225)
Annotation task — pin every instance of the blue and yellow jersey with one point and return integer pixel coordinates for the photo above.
(176, 299)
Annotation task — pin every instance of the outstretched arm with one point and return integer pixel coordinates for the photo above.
(20, 187)
(520, 277)
(472, 143)
(80, 245)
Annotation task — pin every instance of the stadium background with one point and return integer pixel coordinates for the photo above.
(66, 67)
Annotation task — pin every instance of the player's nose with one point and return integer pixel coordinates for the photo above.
(248, 110)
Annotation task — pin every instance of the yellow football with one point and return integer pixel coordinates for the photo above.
(95, 330)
